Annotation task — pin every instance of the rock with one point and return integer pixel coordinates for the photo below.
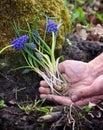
(22, 10)
(26, 10)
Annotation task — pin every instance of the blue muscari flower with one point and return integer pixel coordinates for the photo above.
(36, 35)
(20, 42)
(31, 45)
(51, 26)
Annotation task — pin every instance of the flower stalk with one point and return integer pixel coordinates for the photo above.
(5, 48)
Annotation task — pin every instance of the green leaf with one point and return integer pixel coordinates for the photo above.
(100, 17)
(69, 42)
(2, 103)
(16, 28)
(74, 16)
(87, 108)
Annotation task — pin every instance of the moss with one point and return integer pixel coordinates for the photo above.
(27, 10)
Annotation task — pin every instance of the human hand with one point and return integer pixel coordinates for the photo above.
(77, 74)
(92, 93)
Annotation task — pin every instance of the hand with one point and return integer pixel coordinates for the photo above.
(79, 76)
(92, 93)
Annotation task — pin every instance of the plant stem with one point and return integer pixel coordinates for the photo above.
(5, 48)
(52, 51)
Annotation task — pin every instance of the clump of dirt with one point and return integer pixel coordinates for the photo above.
(82, 50)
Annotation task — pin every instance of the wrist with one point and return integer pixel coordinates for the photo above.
(96, 66)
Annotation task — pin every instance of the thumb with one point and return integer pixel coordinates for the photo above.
(61, 66)
(95, 89)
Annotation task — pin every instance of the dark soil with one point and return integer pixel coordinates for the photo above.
(23, 89)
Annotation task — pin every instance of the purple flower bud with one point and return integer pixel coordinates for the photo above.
(39, 56)
(31, 45)
(36, 35)
(20, 42)
(51, 26)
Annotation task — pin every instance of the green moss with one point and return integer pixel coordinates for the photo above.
(27, 10)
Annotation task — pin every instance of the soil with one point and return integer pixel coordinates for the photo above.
(17, 89)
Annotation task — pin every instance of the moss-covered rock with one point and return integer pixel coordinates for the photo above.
(26, 10)
(22, 10)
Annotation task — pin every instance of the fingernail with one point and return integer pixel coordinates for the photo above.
(74, 98)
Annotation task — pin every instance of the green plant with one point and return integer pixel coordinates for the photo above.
(87, 108)
(66, 3)
(2, 103)
(100, 17)
(40, 56)
(78, 15)
(36, 106)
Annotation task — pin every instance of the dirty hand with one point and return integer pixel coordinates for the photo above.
(85, 83)
(76, 73)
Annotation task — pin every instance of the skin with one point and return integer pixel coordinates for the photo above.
(85, 83)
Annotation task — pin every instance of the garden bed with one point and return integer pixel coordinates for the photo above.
(17, 89)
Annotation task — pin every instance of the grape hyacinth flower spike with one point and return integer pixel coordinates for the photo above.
(20, 42)
(51, 26)
(17, 43)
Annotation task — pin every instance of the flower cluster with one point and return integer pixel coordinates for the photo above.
(20, 42)
(51, 26)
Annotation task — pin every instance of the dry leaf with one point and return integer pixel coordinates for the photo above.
(95, 33)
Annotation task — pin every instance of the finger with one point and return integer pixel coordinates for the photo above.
(95, 89)
(86, 101)
(58, 99)
(43, 84)
(43, 90)
(66, 100)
